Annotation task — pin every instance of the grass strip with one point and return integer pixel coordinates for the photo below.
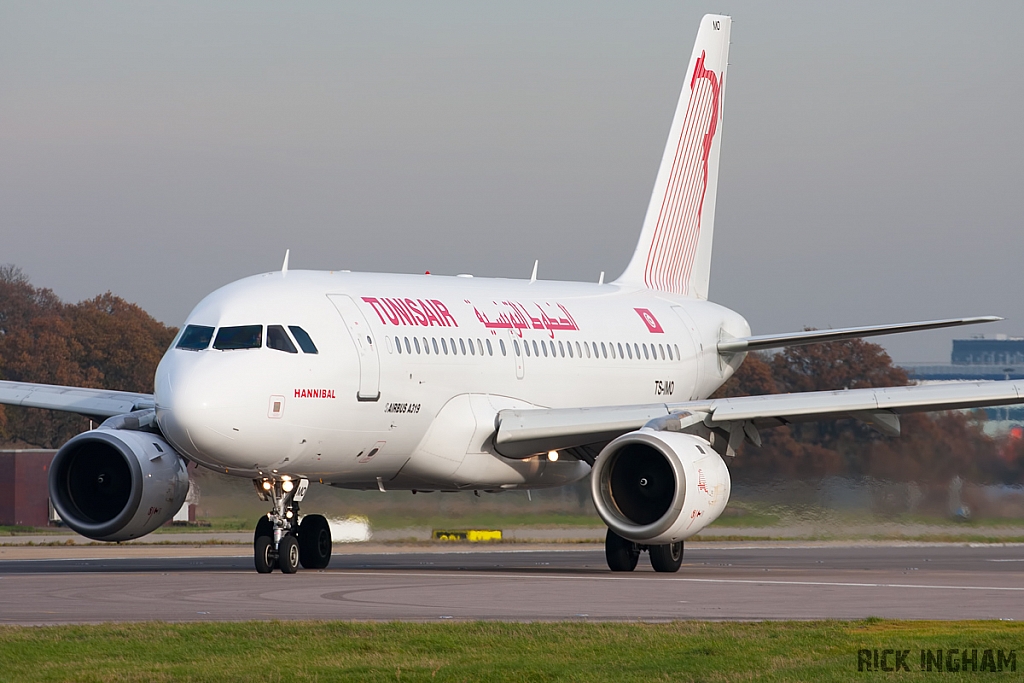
(488, 651)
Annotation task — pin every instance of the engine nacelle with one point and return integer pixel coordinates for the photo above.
(655, 487)
(115, 484)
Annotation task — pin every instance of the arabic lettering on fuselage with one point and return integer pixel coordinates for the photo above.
(421, 312)
(513, 315)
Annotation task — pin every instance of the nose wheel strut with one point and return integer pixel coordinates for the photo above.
(278, 540)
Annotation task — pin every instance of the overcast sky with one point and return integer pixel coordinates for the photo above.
(871, 169)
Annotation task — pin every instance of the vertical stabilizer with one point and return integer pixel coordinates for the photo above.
(674, 251)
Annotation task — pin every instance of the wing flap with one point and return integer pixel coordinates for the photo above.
(93, 403)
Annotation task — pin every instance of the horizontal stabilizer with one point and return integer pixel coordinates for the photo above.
(774, 341)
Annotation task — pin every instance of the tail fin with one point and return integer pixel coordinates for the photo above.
(674, 251)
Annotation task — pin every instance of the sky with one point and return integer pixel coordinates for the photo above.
(871, 166)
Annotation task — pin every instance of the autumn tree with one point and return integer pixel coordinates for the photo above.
(932, 447)
(104, 342)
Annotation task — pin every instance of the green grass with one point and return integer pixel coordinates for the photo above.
(742, 517)
(330, 651)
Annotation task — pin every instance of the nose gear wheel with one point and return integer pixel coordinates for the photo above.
(279, 540)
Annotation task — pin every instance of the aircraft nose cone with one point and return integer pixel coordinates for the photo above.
(208, 406)
(179, 402)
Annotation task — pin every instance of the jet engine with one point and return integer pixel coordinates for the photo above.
(117, 484)
(656, 487)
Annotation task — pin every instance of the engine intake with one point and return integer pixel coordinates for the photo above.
(115, 485)
(657, 487)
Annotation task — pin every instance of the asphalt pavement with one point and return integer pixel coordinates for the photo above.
(717, 581)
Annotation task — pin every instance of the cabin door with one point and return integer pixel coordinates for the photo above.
(359, 329)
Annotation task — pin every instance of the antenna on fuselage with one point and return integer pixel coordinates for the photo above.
(284, 266)
(600, 280)
(533, 277)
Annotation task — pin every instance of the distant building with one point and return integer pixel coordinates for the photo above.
(24, 495)
(980, 358)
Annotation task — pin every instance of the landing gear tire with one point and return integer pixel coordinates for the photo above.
(288, 554)
(622, 555)
(315, 542)
(667, 558)
(263, 554)
(264, 527)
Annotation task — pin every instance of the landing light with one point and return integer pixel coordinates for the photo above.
(552, 456)
(267, 485)
(287, 485)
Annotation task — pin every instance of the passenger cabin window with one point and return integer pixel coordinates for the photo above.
(278, 339)
(305, 343)
(195, 338)
(239, 337)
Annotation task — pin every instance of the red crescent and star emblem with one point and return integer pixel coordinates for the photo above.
(652, 323)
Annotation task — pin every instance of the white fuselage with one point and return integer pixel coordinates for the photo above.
(411, 370)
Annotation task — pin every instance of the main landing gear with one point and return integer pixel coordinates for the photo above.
(622, 555)
(280, 540)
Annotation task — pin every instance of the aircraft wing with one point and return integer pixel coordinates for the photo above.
(774, 341)
(97, 404)
(522, 433)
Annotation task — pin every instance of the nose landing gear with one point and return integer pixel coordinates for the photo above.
(280, 540)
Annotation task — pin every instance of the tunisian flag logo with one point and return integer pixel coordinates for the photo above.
(652, 323)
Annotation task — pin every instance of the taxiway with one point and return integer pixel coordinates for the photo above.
(740, 581)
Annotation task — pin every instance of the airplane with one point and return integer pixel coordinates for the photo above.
(424, 383)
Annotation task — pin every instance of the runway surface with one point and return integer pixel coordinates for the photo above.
(736, 582)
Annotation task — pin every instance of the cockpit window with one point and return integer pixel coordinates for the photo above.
(278, 339)
(241, 337)
(305, 343)
(195, 338)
